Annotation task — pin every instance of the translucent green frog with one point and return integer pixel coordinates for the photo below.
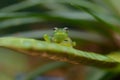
(60, 36)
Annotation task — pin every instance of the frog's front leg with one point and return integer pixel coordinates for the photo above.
(47, 38)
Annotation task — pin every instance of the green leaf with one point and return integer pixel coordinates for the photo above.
(56, 51)
(18, 21)
(20, 6)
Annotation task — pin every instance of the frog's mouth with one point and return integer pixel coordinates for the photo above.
(60, 37)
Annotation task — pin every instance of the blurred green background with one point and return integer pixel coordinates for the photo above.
(93, 24)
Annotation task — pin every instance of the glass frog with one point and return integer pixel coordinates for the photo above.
(60, 36)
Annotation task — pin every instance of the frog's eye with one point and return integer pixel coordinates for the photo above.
(55, 28)
(66, 28)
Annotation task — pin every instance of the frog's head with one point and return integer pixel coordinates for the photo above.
(60, 34)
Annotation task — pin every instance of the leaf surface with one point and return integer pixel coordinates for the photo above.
(56, 51)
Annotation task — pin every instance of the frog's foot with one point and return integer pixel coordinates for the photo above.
(74, 43)
(47, 38)
(68, 44)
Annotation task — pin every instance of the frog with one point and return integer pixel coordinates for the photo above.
(60, 36)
